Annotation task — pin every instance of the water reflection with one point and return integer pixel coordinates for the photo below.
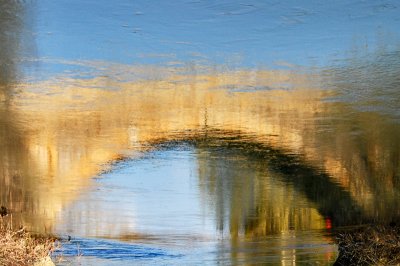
(16, 42)
(16, 178)
(227, 211)
(264, 214)
(244, 165)
(10, 29)
(276, 156)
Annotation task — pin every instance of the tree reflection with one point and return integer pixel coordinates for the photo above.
(17, 171)
(256, 190)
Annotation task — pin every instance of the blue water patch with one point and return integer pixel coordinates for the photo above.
(110, 250)
(228, 32)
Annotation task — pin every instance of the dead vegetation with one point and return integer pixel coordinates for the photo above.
(370, 245)
(19, 247)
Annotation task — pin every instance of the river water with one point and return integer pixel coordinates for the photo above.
(199, 132)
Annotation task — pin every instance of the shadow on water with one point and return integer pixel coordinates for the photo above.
(332, 200)
(229, 150)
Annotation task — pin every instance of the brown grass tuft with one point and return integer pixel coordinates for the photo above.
(19, 247)
(371, 245)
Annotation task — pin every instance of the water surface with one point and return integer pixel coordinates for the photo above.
(199, 133)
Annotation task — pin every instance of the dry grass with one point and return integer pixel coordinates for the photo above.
(371, 245)
(18, 247)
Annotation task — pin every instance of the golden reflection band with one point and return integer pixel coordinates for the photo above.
(68, 129)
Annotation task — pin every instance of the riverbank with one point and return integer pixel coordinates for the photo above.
(369, 245)
(19, 247)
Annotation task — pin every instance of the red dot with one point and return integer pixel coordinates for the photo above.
(328, 223)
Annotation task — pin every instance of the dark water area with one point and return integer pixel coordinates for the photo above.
(199, 132)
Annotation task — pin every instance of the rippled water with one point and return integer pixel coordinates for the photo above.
(197, 132)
